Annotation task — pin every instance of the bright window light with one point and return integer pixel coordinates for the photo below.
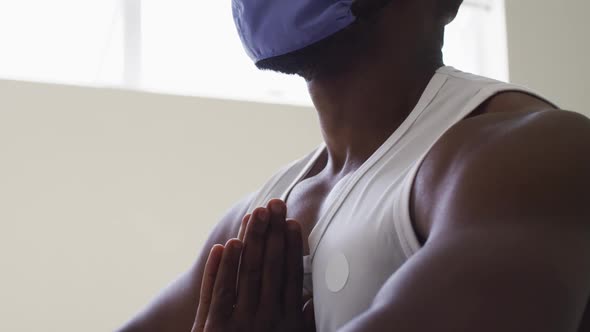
(476, 40)
(65, 41)
(188, 47)
(193, 48)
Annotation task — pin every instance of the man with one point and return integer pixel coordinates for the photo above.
(439, 200)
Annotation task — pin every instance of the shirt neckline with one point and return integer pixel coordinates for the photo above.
(319, 229)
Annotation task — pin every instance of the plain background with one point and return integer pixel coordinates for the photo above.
(106, 196)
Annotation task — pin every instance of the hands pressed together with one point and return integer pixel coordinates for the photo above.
(255, 282)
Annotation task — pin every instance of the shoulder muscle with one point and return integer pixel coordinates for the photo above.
(517, 161)
(518, 165)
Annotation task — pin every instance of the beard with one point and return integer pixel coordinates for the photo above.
(331, 54)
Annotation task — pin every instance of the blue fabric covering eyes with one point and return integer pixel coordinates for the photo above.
(270, 28)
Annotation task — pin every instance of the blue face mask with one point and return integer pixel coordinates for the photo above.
(270, 28)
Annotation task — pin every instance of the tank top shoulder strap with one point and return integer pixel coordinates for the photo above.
(484, 88)
(280, 184)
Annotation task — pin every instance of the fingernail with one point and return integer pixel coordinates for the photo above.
(276, 207)
(216, 247)
(261, 221)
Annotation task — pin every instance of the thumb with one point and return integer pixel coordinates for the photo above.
(308, 316)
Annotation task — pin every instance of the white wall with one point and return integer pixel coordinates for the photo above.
(549, 49)
(106, 196)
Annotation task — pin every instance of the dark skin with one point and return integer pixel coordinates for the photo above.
(501, 201)
(502, 253)
(254, 282)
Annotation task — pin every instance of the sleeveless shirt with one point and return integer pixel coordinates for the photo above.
(365, 234)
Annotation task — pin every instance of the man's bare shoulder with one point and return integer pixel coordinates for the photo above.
(506, 160)
(509, 240)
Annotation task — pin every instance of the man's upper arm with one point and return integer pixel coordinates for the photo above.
(509, 245)
(175, 307)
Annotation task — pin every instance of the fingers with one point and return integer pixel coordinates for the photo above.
(251, 264)
(274, 258)
(207, 284)
(224, 290)
(293, 270)
(243, 227)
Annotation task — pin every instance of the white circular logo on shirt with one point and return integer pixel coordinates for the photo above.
(337, 273)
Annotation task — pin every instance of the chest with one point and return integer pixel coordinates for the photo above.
(353, 244)
(349, 237)
(307, 202)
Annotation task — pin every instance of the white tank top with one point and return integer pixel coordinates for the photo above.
(365, 232)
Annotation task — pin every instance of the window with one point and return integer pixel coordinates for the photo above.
(476, 40)
(62, 41)
(188, 47)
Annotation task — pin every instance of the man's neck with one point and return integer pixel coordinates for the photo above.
(363, 95)
(360, 108)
